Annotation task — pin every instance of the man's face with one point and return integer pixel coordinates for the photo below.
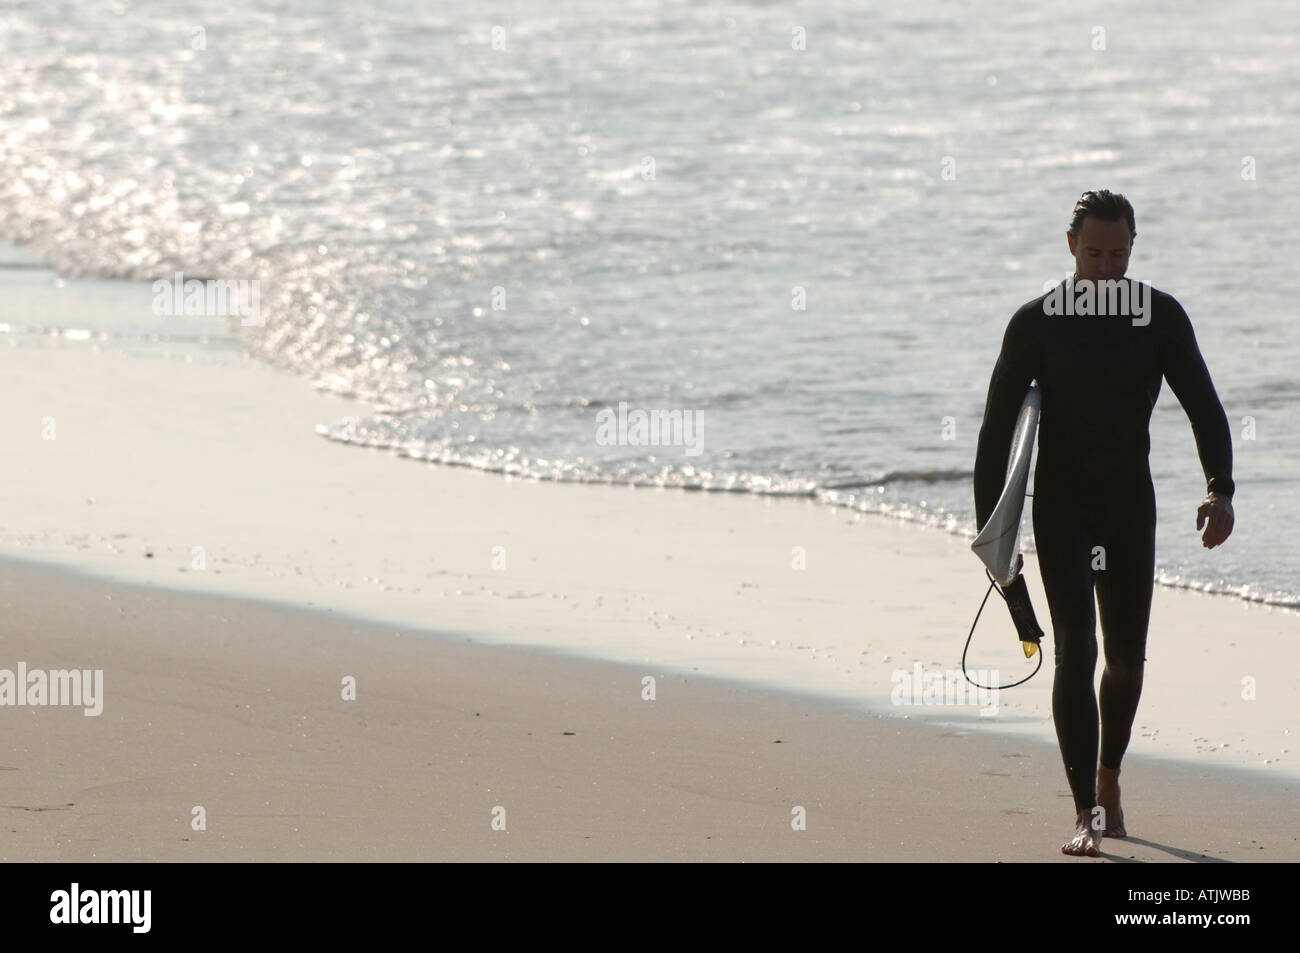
(1101, 249)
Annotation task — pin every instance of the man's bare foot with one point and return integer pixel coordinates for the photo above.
(1108, 798)
(1086, 841)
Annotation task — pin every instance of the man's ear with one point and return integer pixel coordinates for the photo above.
(1069, 240)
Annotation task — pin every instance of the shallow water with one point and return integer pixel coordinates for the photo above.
(494, 229)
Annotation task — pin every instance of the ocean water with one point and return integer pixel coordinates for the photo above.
(494, 224)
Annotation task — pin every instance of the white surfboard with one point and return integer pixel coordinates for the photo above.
(998, 544)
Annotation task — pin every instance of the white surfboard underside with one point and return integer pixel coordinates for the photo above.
(998, 543)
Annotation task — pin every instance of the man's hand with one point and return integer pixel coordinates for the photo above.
(1216, 508)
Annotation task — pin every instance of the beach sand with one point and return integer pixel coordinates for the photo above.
(235, 707)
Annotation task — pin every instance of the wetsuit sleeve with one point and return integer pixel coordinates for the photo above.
(1185, 369)
(1012, 375)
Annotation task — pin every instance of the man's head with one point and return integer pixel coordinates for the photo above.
(1101, 235)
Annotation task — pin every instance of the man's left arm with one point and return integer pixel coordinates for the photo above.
(1189, 378)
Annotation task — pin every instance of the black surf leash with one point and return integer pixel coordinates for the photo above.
(1016, 596)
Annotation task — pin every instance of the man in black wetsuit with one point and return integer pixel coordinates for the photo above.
(1094, 504)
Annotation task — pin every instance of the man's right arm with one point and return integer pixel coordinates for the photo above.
(1012, 375)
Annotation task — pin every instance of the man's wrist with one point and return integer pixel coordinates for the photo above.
(1221, 486)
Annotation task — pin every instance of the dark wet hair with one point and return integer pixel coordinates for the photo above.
(1103, 204)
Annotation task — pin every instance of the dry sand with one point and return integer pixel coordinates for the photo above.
(236, 706)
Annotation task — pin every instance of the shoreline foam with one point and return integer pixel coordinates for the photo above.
(217, 463)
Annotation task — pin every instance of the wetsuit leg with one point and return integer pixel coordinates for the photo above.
(1124, 600)
(1063, 531)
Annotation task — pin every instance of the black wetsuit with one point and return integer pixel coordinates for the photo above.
(1099, 377)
